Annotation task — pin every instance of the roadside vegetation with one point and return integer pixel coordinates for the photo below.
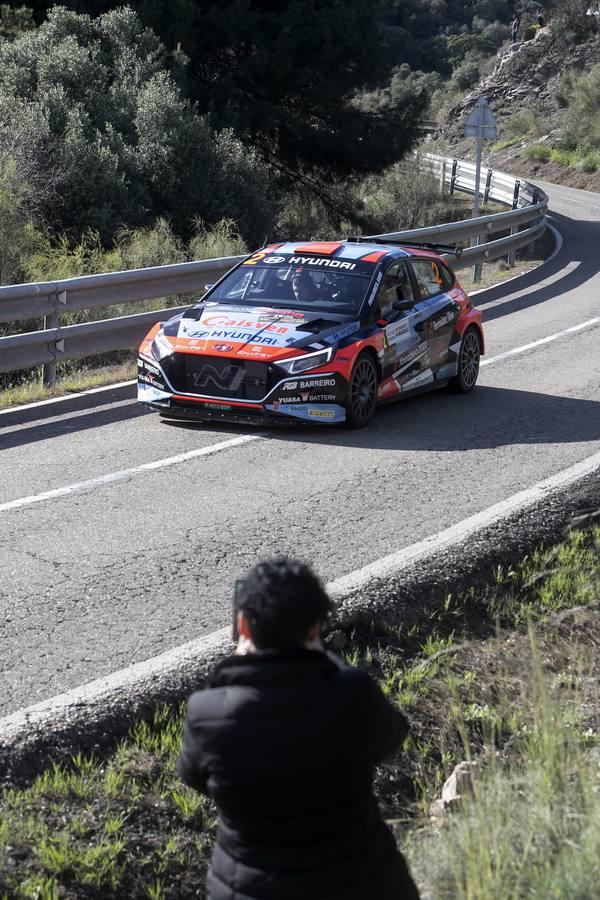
(504, 680)
(572, 137)
(117, 151)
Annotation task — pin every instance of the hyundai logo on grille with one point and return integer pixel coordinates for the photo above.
(228, 379)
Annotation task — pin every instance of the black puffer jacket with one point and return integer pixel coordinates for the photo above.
(286, 745)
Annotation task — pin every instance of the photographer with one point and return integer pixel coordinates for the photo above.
(285, 738)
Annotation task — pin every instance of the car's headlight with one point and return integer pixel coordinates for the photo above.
(304, 363)
(161, 347)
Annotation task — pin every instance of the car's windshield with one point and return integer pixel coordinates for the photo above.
(294, 286)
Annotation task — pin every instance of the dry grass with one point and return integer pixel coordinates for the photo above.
(474, 680)
(82, 380)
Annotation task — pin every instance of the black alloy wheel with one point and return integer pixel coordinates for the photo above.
(362, 393)
(468, 363)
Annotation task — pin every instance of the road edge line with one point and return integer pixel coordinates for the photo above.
(396, 588)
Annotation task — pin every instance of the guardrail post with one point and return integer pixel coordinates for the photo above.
(535, 198)
(515, 201)
(512, 256)
(51, 321)
(443, 179)
(488, 184)
(453, 175)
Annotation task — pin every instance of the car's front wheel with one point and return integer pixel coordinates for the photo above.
(362, 392)
(468, 363)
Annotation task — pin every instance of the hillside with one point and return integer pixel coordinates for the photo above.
(530, 91)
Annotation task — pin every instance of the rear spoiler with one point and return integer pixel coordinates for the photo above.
(453, 249)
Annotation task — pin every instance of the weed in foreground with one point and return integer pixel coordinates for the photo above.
(530, 826)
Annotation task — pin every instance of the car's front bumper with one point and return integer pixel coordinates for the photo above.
(309, 398)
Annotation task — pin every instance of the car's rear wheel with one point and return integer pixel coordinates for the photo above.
(468, 363)
(362, 392)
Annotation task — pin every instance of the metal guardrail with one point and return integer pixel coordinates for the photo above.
(525, 221)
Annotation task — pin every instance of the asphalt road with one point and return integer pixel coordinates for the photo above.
(116, 569)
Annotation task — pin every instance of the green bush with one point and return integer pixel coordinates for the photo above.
(523, 122)
(537, 152)
(530, 32)
(19, 237)
(563, 157)
(583, 108)
(102, 136)
(223, 239)
(404, 197)
(588, 163)
(504, 145)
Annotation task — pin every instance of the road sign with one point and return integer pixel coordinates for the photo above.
(481, 117)
(480, 124)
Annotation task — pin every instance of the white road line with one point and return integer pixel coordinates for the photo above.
(569, 199)
(463, 530)
(125, 474)
(547, 340)
(98, 390)
(66, 417)
(78, 701)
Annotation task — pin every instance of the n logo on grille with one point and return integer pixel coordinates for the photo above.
(228, 379)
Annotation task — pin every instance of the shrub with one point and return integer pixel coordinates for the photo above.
(223, 239)
(523, 122)
(156, 245)
(101, 134)
(583, 107)
(530, 826)
(19, 237)
(537, 152)
(588, 163)
(402, 198)
(530, 32)
(563, 157)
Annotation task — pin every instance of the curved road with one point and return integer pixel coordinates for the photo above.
(109, 570)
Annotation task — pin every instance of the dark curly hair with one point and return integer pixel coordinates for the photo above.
(282, 599)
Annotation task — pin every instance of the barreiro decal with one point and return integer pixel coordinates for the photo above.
(443, 320)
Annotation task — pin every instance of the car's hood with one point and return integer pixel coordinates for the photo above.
(251, 332)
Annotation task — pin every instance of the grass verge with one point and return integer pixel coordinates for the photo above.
(583, 159)
(82, 380)
(506, 677)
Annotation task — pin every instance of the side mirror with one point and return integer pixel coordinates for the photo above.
(401, 304)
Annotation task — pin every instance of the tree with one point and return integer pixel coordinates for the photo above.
(283, 76)
(99, 130)
(19, 237)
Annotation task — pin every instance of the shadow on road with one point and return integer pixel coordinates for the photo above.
(30, 434)
(579, 238)
(489, 417)
(62, 407)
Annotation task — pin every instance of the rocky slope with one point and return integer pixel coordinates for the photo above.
(527, 75)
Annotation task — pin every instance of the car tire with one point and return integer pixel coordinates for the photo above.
(468, 363)
(362, 392)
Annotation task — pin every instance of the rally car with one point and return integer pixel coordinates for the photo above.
(315, 332)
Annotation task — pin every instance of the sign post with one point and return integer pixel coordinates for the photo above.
(481, 124)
